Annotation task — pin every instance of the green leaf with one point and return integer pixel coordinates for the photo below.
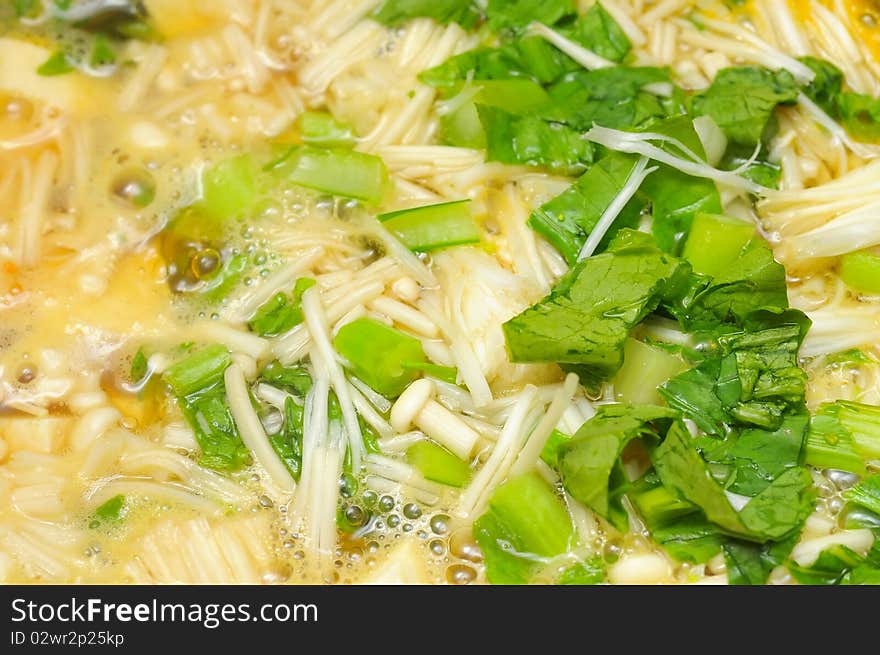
(229, 188)
(676, 197)
(865, 494)
(826, 85)
(437, 464)
(139, 368)
(587, 317)
(754, 281)
(295, 379)
(588, 572)
(567, 220)
(337, 171)
(750, 563)
(525, 526)
(611, 97)
(741, 101)
(598, 32)
(281, 312)
(198, 371)
(287, 442)
(209, 416)
(516, 15)
(111, 511)
(56, 64)
(860, 115)
(533, 141)
(775, 512)
(829, 568)
(396, 12)
(375, 353)
(103, 53)
(587, 460)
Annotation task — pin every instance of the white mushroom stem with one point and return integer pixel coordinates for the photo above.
(416, 406)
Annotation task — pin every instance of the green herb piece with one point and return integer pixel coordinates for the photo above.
(861, 271)
(229, 188)
(287, 442)
(56, 64)
(375, 353)
(319, 128)
(516, 15)
(716, 242)
(567, 220)
(281, 312)
(431, 227)
(741, 101)
(588, 460)
(587, 317)
(396, 12)
(198, 371)
(337, 171)
(295, 379)
(526, 524)
(437, 464)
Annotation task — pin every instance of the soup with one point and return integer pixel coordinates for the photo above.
(455, 292)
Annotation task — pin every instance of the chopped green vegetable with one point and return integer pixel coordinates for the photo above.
(526, 524)
(587, 317)
(295, 379)
(56, 64)
(395, 12)
(319, 128)
(516, 15)
(197, 381)
(437, 464)
(611, 97)
(533, 141)
(741, 101)
(111, 511)
(287, 442)
(567, 220)
(281, 312)
(777, 511)
(750, 563)
(826, 85)
(588, 572)
(862, 421)
(829, 567)
(375, 353)
(860, 115)
(229, 188)
(830, 445)
(102, 52)
(445, 373)
(202, 369)
(676, 197)
(861, 271)
(337, 171)
(866, 494)
(139, 368)
(716, 242)
(644, 369)
(588, 460)
(431, 227)
(598, 32)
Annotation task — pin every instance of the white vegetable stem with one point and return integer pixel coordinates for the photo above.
(638, 174)
(586, 58)
(251, 429)
(636, 143)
